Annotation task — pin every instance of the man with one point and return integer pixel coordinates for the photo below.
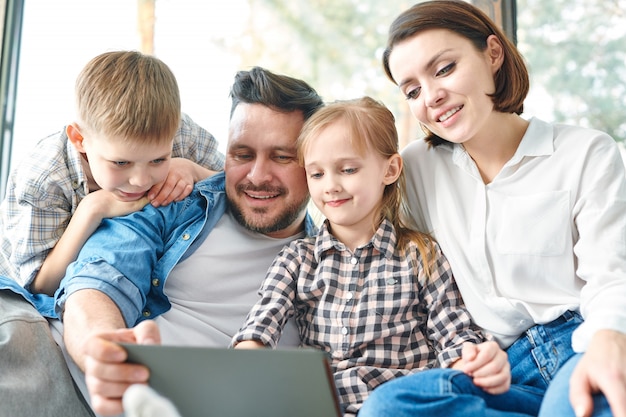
(193, 266)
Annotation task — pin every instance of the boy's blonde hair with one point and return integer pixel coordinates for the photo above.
(128, 95)
(371, 127)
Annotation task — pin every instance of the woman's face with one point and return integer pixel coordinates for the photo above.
(446, 81)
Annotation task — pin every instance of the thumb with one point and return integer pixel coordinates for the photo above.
(469, 352)
(147, 333)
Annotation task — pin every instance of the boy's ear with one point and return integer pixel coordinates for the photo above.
(394, 168)
(74, 135)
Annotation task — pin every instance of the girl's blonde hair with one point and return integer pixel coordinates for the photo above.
(372, 127)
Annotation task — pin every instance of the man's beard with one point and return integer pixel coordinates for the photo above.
(285, 219)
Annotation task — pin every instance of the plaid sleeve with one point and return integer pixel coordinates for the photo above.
(269, 315)
(198, 145)
(449, 323)
(34, 216)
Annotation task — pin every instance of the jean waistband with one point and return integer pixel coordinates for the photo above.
(541, 333)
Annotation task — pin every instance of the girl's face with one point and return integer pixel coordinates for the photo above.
(446, 81)
(344, 185)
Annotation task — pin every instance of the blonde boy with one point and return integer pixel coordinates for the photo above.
(129, 145)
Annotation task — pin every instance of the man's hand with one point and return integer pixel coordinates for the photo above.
(488, 366)
(106, 373)
(601, 369)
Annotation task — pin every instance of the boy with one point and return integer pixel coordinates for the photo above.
(126, 148)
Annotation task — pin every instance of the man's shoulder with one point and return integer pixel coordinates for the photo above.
(214, 184)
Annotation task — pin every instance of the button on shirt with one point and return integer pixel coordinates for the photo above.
(524, 246)
(375, 314)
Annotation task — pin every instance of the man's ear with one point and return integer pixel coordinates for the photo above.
(394, 168)
(74, 135)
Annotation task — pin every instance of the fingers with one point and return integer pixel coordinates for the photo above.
(170, 190)
(580, 397)
(582, 387)
(494, 379)
(147, 333)
(107, 376)
(478, 356)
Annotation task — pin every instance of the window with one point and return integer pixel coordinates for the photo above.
(575, 51)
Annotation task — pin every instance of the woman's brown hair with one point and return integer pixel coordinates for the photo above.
(511, 80)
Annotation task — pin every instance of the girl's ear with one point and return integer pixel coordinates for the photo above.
(495, 53)
(394, 168)
(74, 135)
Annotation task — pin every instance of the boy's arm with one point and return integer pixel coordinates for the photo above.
(87, 217)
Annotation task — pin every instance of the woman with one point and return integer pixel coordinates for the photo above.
(530, 215)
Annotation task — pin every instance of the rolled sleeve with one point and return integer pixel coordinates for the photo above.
(96, 274)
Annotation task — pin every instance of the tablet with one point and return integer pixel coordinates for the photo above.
(220, 382)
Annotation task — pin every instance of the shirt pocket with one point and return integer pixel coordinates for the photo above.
(534, 224)
(392, 298)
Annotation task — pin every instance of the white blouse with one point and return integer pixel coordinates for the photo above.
(547, 235)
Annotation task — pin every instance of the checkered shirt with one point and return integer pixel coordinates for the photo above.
(374, 311)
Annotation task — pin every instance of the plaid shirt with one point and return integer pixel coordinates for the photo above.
(374, 311)
(45, 188)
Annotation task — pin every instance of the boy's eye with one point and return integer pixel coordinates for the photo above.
(350, 170)
(316, 175)
(120, 163)
(158, 161)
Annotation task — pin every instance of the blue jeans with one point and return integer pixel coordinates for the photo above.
(540, 358)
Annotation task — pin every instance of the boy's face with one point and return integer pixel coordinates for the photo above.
(265, 185)
(126, 169)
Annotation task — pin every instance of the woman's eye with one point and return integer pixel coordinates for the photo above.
(413, 94)
(446, 69)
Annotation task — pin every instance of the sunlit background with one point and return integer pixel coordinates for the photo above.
(576, 51)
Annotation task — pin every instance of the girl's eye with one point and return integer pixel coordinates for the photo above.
(316, 175)
(445, 70)
(350, 170)
(120, 163)
(413, 94)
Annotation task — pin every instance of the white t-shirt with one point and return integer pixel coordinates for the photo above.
(547, 235)
(212, 290)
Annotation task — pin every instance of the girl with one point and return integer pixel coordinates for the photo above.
(378, 297)
(529, 214)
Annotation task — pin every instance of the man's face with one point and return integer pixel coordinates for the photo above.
(265, 185)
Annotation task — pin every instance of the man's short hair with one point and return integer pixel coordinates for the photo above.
(280, 92)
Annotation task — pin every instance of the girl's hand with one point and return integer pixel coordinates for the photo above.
(488, 365)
